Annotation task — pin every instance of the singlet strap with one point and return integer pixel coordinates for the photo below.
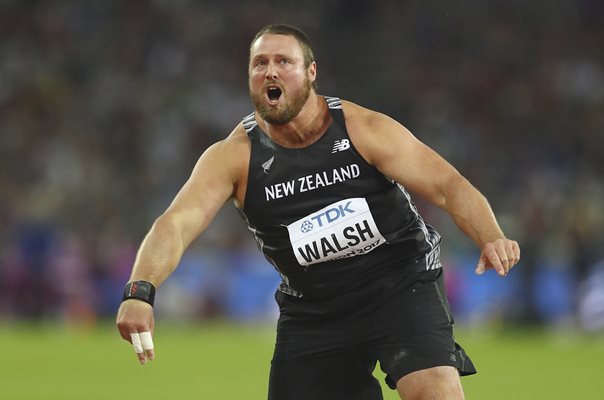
(249, 122)
(333, 102)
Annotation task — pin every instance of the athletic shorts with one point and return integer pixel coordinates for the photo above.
(328, 349)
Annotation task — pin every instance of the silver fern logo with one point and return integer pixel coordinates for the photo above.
(266, 166)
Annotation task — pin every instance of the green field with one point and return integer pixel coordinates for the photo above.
(226, 361)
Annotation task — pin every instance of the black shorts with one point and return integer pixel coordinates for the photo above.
(328, 349)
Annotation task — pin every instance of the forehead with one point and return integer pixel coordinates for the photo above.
(270, 44)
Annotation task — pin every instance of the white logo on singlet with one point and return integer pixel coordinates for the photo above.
(267, 165)
(340, 230)
(340, 145)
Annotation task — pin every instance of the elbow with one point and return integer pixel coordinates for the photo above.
(166, 229)
(180, 227)
(456, 187)
(165, 223)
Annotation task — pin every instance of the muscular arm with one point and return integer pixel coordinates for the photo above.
(395, 152)
(211, 183)
(218, 175)
(405, 159)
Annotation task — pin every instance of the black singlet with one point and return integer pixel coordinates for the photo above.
(327, 220)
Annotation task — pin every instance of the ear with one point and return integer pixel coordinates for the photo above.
(312, 72)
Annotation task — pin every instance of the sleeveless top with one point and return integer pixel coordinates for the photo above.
(327, 220)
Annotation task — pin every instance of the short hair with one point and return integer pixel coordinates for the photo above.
(288, 30)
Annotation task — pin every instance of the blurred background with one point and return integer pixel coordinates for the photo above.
(105, 107)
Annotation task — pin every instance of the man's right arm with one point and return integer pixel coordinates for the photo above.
(213, 181)
(210, 185)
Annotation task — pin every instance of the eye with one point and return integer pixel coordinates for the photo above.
(284, 61)
(259, 63)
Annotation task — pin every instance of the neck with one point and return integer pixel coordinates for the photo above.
(308, 126)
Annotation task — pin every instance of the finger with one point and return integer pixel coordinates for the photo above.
(503, 258)
(125, 335)
(147, 343)
(135, 339)
(138, 347)
(480, 267)
(123, 329)
(511, 256)
(494, 259)
(512, 251)
(516, 251)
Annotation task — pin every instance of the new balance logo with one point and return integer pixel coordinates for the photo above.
(267, 165)
(340, 145)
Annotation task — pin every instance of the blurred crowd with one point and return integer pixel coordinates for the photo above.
(106, 106)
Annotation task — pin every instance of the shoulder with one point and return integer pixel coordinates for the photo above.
(358, 116)
(233, 146)
(229, 155)
(372, 131)
(224, 164)
(237, 140)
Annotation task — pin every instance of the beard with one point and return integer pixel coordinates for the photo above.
(286, 111)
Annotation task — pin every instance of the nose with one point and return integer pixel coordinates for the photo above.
(271, 71)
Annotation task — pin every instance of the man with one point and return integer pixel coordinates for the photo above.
(322, 184)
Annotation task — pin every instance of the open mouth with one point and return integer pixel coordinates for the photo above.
(273, 93)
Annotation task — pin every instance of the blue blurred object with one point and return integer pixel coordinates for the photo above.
(252, 287)
(554, 293)
(591, 299)
(486, 297)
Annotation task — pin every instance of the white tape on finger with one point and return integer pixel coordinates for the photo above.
(147, 340)
(136, 342)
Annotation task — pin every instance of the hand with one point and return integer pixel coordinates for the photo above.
(500, 255)
(135, 323)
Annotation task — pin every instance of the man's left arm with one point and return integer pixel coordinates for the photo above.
(395, 152)
(473, 215)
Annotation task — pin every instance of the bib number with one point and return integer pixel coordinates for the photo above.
(340, 230)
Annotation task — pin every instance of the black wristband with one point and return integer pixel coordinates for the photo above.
(140, 290)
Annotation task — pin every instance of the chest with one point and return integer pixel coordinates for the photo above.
(286, 183)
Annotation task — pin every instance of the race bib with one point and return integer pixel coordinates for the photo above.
(340, 230)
